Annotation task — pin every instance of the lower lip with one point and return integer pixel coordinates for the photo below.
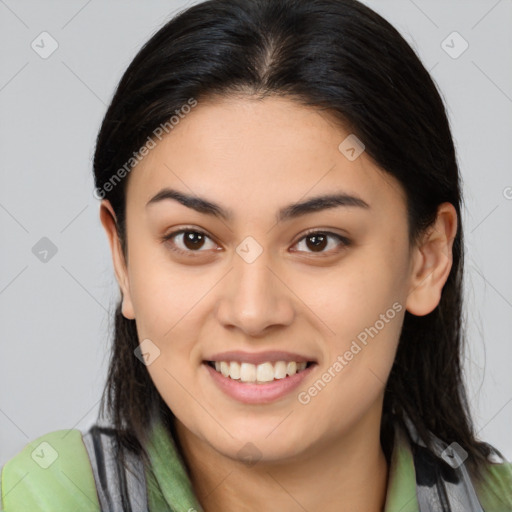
(250, 393)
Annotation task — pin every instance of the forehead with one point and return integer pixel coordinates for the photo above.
(250, 153)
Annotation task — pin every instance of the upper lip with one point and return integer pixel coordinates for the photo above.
(259, 357)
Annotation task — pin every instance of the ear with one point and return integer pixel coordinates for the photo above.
(109, 222)
(432, 262)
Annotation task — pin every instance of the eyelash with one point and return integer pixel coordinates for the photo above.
(344, 242)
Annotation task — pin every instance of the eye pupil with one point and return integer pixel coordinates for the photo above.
(319, 242)
(193, 240)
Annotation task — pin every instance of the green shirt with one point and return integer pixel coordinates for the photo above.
(53, 473)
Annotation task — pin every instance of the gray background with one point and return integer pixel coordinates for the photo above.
(55, 314)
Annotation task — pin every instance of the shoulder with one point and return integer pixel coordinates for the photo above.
(494, 489)
(52, 471)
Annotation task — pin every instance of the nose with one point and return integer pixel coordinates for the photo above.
(255, 298)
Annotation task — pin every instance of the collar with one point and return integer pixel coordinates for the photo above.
(401, 492)
(170, 489)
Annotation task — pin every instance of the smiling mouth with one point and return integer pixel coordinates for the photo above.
(259, 373)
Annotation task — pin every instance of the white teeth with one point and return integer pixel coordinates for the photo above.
(280, 370)
(224, 368)
(291, 368)
(234, 370)
(247, 372)
(265, 372)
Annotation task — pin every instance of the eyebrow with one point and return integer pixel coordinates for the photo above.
(289, 212)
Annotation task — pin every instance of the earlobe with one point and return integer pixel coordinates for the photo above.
(108, 220)
(432, 263)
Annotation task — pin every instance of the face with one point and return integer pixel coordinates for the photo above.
(306, 297)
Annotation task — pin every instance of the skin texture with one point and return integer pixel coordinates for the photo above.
(255, 157)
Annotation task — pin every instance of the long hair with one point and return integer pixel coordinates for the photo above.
(334, 55)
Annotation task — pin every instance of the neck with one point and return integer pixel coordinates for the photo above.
(347, 474)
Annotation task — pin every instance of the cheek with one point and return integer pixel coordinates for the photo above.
(170, 319)
(361, 312)
(173, 383)
(164, 295)
(168, 308)
(353, 297)
(366, 321)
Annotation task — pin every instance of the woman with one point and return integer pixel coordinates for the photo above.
(280, 192)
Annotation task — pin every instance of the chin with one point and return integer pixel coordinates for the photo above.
(258, 442)
(251, 453)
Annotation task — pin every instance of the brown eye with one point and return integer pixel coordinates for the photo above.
(318, 241)
(193, 240)
(187, 241)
